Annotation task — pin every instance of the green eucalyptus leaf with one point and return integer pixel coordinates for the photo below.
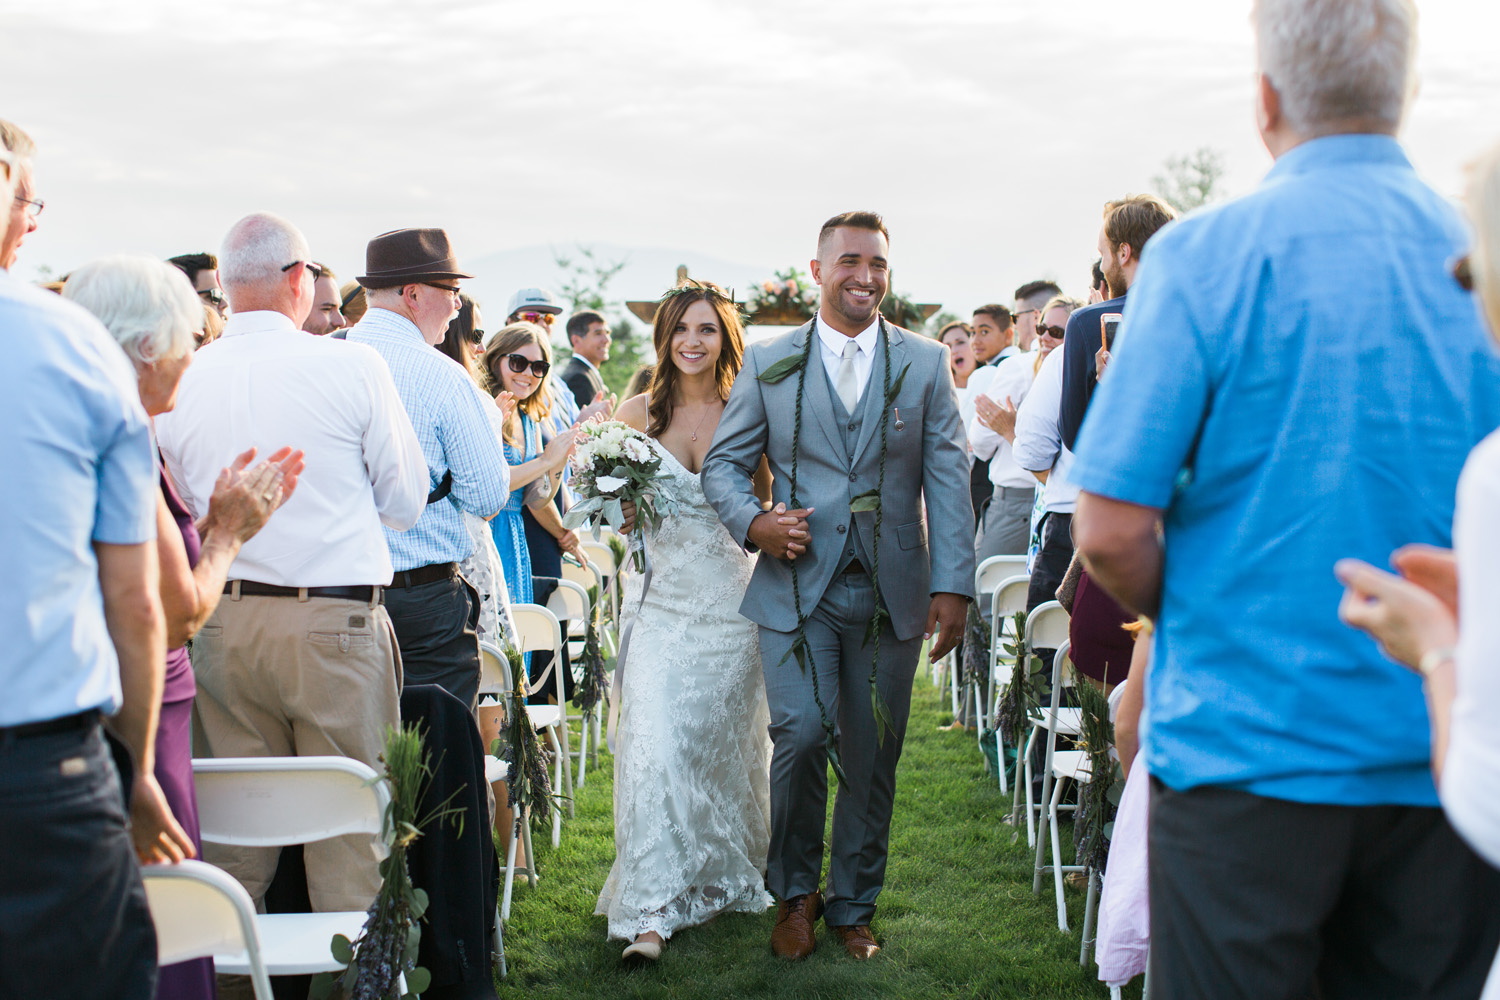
(781, 369)
(419, 903)
(418, 980)
(342, 949)
(413, 939)
(321, 987)
(869, 500)
(351, 976)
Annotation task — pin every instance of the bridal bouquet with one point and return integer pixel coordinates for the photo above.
(614, 464)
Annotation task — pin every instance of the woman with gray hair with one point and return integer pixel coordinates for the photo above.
(154, 314)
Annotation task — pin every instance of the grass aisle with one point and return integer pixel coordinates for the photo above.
(956, 918)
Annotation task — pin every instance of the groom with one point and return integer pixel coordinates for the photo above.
(853, 439)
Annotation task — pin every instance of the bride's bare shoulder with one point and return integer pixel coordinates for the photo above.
(635, 411)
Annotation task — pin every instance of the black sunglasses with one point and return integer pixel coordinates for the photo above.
(1055, 332)
(213, 295)
(1463, 273)
(476, 337)
(317, 272)
(520, 362)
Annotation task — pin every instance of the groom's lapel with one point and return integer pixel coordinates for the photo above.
(818, 403)
(873, 404)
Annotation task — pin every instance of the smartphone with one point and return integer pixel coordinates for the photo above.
(1108, 324)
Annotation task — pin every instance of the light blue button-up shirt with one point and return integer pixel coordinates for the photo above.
(1297, 379)
(79, 469)
(448, 412)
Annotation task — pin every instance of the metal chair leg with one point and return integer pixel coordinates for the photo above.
(1090, 919)
(1057, 862)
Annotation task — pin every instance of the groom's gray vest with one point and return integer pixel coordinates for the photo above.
(839, 458)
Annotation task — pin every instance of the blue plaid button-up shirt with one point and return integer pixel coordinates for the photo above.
(448, 412)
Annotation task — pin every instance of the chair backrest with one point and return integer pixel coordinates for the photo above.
(1047, 626)
(494, 670)
(537, 630)
(1010, 596)
(996, 569)
(273, 801)
(200, 911)
(600, 554)
(586, 575)
(570, 603)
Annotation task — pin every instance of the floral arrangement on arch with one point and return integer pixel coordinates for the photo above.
(789, 294)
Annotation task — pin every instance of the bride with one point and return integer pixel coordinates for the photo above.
(692, 804)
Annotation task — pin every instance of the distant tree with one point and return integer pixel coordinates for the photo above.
(586, 286)
(939, 321)
(1188, 182)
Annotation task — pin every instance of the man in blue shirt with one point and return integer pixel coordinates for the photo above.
(84, 638)
(412, 287)
(1268, 422)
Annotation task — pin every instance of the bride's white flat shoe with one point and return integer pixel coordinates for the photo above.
(648, 950)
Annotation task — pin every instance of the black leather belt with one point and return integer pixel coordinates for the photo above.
(424, 574)
(250, 588)
(68, 723)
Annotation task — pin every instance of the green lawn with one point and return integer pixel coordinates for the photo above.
(957, 917)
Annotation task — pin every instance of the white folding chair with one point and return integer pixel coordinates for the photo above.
(587, 575)
(996, 570)
(1007, 598)
(276, 801)
(602, 556)
(1046, 628)
(570, 603)
(538, 630)
(202, 912)
(1062, 766)
(494, 680)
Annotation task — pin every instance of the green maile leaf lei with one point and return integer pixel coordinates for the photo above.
(865, 502)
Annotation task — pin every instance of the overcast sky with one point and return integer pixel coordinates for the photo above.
(989, 132)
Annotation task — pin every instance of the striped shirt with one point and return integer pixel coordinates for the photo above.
(448, 412)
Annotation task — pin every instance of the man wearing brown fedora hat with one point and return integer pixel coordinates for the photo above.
(411, 284)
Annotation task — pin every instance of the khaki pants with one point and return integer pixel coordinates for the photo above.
(284, 677)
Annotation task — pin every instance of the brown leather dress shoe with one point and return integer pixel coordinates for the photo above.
(793, 936)
(857, 940)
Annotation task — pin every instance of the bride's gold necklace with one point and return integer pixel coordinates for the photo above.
(704, 418)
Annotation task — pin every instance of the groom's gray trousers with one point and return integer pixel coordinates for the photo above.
(799, 763)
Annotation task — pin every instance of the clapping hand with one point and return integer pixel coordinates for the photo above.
(1404, 617)
(245, 498)
(1000, 419)
(599, 409)
(506, 400)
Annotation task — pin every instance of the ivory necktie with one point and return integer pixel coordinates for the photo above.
(846, 384)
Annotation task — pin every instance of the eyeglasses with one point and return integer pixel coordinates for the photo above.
(34, 206)
(1022, 312)
(520, 362)
(213, 295)
(1055, 332)
(476, 337)
(538, 317)
(1463, 273)
(450, 289)
(313, 269)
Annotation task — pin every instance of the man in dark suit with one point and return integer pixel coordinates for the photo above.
(588, 335)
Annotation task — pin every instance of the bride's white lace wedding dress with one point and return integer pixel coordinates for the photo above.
(692, 802)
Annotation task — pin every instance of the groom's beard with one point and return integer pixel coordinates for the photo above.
(854, 312)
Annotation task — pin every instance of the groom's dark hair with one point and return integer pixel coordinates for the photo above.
(853, 220)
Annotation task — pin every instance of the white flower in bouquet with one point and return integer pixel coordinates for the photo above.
(615, 465)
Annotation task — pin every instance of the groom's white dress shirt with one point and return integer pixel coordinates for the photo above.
(832, 343)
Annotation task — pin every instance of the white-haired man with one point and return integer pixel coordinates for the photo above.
(85, 638)
(1266, 423)
(299, 657)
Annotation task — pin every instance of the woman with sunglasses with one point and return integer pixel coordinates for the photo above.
(517, 362)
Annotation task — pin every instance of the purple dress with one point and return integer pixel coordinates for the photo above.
(192, 980)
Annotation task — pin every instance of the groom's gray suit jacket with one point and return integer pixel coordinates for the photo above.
(926, 460)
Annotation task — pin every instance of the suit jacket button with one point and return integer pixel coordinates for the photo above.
(852, 477)
(842, 528)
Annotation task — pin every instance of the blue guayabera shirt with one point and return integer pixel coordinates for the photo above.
(453, 423)
(1298, 379)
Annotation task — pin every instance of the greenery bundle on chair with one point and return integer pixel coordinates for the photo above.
(529, 780)
(594, 685)
(387, 946)
(1100, 795)
(1023, 694)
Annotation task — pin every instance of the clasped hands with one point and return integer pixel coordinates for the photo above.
(1000, 419)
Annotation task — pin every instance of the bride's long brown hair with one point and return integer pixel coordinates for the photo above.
(669, 312)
